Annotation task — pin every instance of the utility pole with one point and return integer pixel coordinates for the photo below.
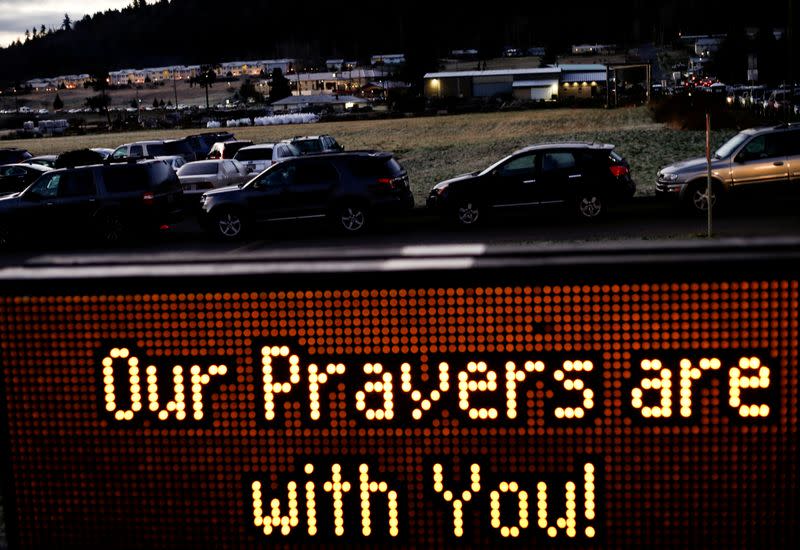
(175, 89)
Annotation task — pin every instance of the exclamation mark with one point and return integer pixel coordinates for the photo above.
(588, 494)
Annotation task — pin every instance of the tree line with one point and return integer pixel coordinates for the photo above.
(157, 33)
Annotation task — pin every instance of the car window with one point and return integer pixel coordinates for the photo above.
(46, 186)
(762, 147)
(315, 172)
(281, 175)
(157, 150)
(308, 145)
(77, 184)
(120, 152)
(262, 153)
(792, 143)
(13, 171)
(198, 169)
(552, 162)
(123, 179)
(136, 151)
(523, 165)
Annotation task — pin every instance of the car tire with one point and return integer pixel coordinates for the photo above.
(229, 224)
(590, 205)
(112, 228)
(468, 213)
(697, 199)
(351, 218)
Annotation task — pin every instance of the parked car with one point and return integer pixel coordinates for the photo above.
(315, 144)
(13, 155)
(42, 160)
(257, 158)
(203, 175)
(103, 151)
(755, 163)
(109, 201)
(16, 177)
(140, 149)
(587, 176)
(181, 147)
(227, 149)
(201, 143)
(349, 189)
(78, 157)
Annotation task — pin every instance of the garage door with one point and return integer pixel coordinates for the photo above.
(489, 89)
(542, 93)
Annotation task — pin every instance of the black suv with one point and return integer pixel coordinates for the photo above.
(107, 201)
(13, 155)
(585, 175)
(346, 188)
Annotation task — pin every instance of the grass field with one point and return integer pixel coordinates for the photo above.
(435, 148)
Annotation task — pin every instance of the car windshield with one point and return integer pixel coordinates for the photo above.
(731, 145)
(308, 145)
(198, 169)
(495, 165)
(262, 153)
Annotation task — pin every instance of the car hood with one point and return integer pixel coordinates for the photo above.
(10, 200)
(224, 190)
(693, 165)
(463, 177)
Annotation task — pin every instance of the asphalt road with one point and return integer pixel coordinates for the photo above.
(644, 219)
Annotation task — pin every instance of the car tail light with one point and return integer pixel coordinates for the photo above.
(148, 199)
(388, 181)
(618, 170)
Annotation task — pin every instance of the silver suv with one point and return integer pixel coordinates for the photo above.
(756, 162)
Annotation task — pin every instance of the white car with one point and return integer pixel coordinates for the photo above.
(140, 149)
(257, 158)
(202, 175)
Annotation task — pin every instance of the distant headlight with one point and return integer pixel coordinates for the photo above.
(668, 177)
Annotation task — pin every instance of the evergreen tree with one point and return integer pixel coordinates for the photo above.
(27, 35)
(278, 86)
(155, 103)
(57, 103)
(67, 23)
(42, 31)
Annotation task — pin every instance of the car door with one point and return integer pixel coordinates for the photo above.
(559, 177)
(792, 146)
(513, 184)
(311, 187)
(12, 179)
(76, 202)
(270, 198)
(761, 166)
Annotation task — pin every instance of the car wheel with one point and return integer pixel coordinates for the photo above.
(591, 205)
(468, 213)
(112, 228)
(229, 225)
(352, 218)
(698, 197)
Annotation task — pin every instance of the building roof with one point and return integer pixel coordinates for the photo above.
(319, 100)
(582, 67)
(535, 83)
(498, 72)
(596, 76)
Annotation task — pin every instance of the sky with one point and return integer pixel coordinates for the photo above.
(18, 15)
